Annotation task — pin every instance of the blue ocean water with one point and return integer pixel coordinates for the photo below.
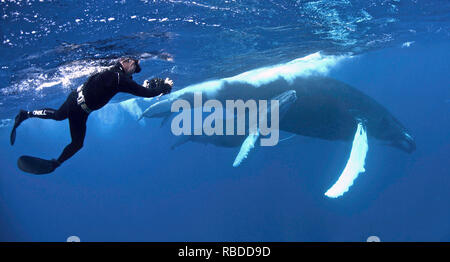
(126, 184)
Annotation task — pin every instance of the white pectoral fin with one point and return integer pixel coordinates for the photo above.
(145, 112)
(246, 146)
(354, 166)
(142, 115)
(161, 107)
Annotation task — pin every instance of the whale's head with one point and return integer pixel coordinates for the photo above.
(397, 135)
(405, 142)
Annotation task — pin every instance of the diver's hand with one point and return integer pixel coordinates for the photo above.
(168, 81)
(167, 86)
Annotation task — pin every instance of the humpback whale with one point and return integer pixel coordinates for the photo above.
(325, 108)
(248, 140)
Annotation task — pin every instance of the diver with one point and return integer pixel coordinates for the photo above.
(95, 93)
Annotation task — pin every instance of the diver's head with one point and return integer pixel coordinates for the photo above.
(130, 65)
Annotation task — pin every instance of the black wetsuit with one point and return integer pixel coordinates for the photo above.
(98, 90)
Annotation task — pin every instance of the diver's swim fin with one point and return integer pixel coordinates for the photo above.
(35, 165)
(22, 116)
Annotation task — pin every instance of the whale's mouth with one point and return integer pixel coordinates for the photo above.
(406, 143)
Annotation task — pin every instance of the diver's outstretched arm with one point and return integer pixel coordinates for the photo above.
(156, 86)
